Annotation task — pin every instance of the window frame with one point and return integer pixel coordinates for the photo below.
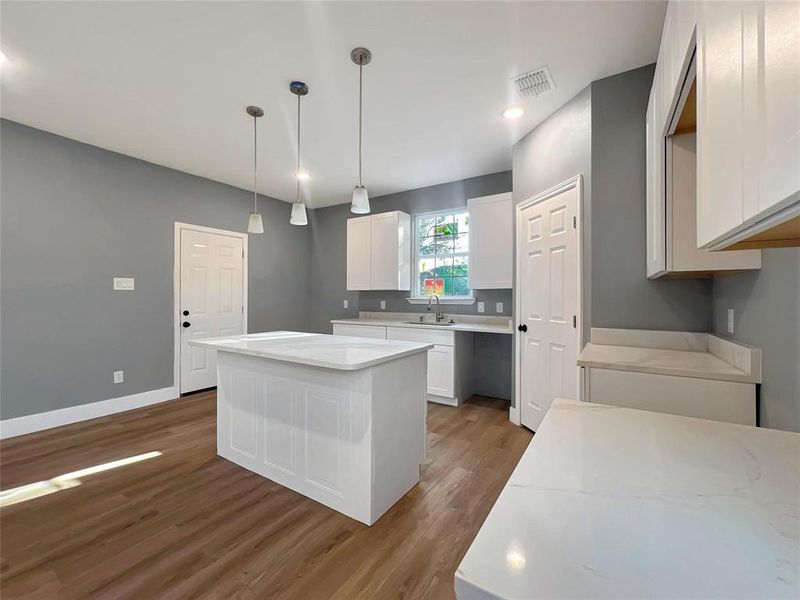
(416, 298)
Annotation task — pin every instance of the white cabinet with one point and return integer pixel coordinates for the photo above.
(748, 124)
(379, 252)
(673, 163)
(490, 242)
(358, 253)
(449, 380)
(365, 331)
(731, 402)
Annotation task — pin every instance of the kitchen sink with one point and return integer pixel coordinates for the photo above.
(430, 323)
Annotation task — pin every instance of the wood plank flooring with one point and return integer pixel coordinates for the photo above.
(189, 524)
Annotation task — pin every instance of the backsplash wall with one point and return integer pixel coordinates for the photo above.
(328, 226)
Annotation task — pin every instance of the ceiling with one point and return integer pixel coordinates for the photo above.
(168, 82)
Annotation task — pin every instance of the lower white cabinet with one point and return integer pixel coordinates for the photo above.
(728, 401)
(449, 380)
(365, 331)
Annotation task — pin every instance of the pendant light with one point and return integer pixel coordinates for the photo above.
(255, 224)
(360, 205)
(298, 217)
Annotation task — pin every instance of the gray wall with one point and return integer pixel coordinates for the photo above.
(556, 150)
(328, 227)
(74, 216)
(766, 307)
(622, 296)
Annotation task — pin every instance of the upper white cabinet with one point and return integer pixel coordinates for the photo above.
(674, 166)
(379, 252)
(490, 242)
(748, 124)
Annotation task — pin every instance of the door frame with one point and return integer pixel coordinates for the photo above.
(576, 182)
(176, 288)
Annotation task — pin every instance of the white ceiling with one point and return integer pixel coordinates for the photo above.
(168, 82)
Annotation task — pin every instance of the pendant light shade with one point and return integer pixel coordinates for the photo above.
(298, 217)
(360, 204)
(255, 224)
(298, 214)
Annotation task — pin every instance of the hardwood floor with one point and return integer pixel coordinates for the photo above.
(188, 524)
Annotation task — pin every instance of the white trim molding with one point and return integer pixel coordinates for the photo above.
(83, 412)
(444, 300)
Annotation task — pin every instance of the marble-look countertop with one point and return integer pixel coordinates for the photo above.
(343, 353)
(615, 502)
(489, 325)
(698, 355)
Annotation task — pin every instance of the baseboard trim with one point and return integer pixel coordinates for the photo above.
(513, 415)
(83, 412)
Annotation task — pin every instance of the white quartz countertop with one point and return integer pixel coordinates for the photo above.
(615, 502)
(493, 327)
(331, 352)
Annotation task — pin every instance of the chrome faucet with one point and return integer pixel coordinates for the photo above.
(439, 315)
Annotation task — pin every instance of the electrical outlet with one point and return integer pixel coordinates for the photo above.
(125, 284)
(730, 320)
(345, 304)
(383, 304)
(499, 307)
(119, 376)
(481, 307)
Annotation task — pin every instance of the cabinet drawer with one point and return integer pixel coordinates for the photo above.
(427, 336)
(365, 331)
(441, 371)
(726, 401)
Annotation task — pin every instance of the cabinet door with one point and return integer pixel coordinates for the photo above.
(355, 330)
(779, 112)
(441, 371)
(490, 242)
(384, 248)
(656, 214)
(358, 253)
(724, 77)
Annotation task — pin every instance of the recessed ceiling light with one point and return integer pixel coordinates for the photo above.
(514, 112)
(303, 176)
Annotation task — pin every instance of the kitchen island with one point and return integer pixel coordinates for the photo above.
(338, 419)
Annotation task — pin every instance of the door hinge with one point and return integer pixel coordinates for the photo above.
(574, 222)
(574, 320)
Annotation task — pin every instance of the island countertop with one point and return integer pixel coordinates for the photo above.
(615, 502)
(314, 349)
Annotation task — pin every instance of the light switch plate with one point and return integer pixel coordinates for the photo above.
(499, 307)
(125, 284)
(383, 304)
(481, 307)
(345, 304)
(119, 376)
(730, 320)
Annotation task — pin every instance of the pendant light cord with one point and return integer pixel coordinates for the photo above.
(255, 164)
(297, 175)
(360, 86)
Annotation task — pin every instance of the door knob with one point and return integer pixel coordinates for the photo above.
(186, 313)
(186, 323)
(522, 328)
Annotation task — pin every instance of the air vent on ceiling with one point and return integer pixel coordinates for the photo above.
(535, 83)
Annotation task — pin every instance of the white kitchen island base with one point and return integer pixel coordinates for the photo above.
(351, 438)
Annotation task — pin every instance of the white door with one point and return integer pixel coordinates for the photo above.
(547, 249)
(383, 251)
(211, 300)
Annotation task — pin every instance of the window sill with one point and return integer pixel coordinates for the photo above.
(461, 300)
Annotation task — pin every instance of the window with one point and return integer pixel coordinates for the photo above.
(441, 254)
